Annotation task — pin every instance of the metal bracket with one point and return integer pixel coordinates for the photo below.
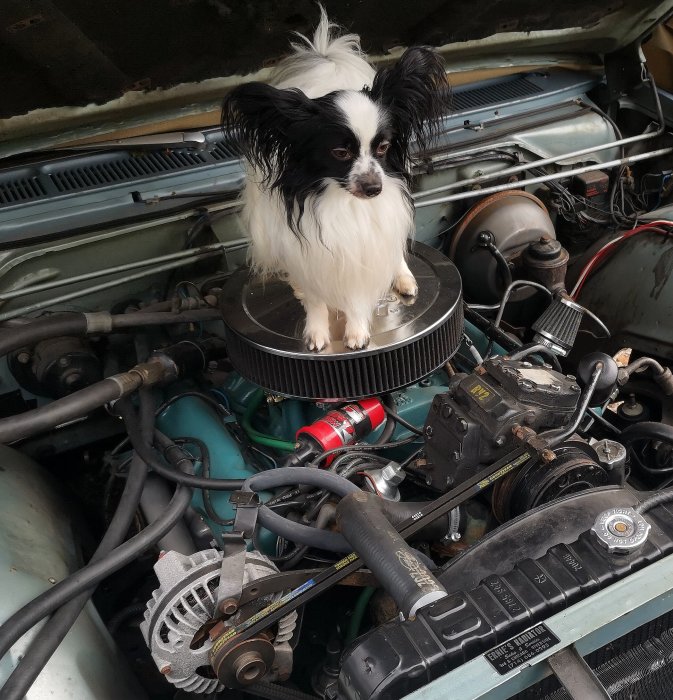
(576, 676)
(247, 506)
(232, 571)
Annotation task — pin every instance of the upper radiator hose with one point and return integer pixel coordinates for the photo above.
(390, 558)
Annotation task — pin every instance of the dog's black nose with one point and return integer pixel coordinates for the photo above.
(371, 189)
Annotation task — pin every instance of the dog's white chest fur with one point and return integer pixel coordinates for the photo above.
(351, 249)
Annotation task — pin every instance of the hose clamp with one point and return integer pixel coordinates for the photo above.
(247, 508)
(98, 322)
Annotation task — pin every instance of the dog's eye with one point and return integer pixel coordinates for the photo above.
(382, 148)
(342, 153)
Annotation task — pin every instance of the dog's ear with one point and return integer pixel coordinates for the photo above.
(265, 119)
(416, 93)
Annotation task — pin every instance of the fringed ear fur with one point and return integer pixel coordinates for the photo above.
(416, 93)
(265, 119)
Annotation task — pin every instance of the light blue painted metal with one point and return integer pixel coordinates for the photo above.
(589, 625)
(192, 417)
(38, 546)
(287, 416)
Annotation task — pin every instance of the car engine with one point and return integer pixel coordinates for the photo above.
(250, 518)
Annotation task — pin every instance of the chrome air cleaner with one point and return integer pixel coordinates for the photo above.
(410, 339)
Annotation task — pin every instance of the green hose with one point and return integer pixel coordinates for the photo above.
(260, 438)
(359, 613)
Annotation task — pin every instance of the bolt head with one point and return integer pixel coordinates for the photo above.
(393, 473)
(228, 606)
(165, 670)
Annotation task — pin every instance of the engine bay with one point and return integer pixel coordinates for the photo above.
(249, 518)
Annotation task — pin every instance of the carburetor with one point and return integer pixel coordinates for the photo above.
(471, 424)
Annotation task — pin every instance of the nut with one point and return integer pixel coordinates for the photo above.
(228, 606)
(249, 668)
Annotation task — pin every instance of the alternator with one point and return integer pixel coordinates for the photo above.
(185, 601)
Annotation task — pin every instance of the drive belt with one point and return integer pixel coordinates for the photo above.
(328, 577)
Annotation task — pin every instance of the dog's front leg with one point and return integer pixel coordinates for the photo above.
(405, 282)
(316, 333)
(357, 331)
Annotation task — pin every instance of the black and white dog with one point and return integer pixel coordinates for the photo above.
(327, 201)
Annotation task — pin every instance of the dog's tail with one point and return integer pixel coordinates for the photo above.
(326, 63)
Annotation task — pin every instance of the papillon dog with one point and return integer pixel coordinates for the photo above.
(327, 201)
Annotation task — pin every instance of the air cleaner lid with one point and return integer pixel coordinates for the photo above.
(264, 328)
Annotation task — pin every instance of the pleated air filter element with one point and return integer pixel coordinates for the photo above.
(410, 339)
(558, 326)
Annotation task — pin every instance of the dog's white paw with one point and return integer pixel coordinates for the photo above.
(298, 293)
(316, 339)
(406, 285)
(356, 338)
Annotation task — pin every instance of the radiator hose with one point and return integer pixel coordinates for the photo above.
(394, 563)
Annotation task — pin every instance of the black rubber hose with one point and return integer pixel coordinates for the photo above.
(389, 557)
(152, 458)
(31, 333)
(389, 408)
(76, 405)
(121, 616)
(323, 539)
(93, 573)
(80, 324)
(302, 534)
(160, 318)
(490, 329)
(647, 431)
(291, 476)
(44, 645)
(325, 516)
(293, 531)
(389, 427)
(657, 500)
(398, 511)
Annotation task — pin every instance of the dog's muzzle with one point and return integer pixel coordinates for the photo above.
(367, 186)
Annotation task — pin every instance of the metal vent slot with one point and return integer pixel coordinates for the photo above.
(20, 190)
(224, 150)
(123, 169)
(496, 93)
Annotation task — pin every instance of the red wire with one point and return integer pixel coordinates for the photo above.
(611, 247)
(371, 481)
